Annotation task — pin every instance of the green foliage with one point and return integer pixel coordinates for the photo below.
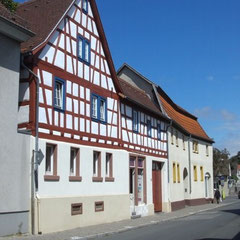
(10, 5)
(235, 160)
(220, 162)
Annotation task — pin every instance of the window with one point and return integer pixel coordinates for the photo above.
(84, 50)
(149, 128)
(135, 121)
(59, 94)
(76, 209)
(201, 171)
(178, 173)
(195, 172)
(99, 108)
(183, 139)
(51, 163)
(97, 167)
(109, 168)
(207, 150)
(85, 6)
(172, 135)
(159, 132)
(176, 138)
(174, 172)
(99, 206)
(74, 165)
(195, 146)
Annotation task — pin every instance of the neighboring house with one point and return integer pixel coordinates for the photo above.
(14, 147)
(144, 136)
(190, 175)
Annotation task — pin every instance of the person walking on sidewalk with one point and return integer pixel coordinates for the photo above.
(217, 195)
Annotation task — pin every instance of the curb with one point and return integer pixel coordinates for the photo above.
(126, 229)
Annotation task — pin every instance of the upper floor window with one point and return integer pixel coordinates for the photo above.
(207, 150)
(172, 135)
(176, 138)
(149, 128)
(85, 6)
(84, 49)
(59, 94)
(183, 140)
(195, 146)
(159, 132)
(99, 108)
(135, 121)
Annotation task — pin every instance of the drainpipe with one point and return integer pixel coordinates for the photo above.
(34, 167)
(189, 164)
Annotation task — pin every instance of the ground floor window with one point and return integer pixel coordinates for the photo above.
(137, 179)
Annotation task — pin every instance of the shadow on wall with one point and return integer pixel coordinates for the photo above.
(237, 237)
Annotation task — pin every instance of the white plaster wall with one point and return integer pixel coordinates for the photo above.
(14, 147)
(179, 156)
(87, 187)
(201, 159)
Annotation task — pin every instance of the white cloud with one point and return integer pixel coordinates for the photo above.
(210, 78)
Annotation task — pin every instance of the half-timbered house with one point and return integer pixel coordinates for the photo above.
(83, 176)
(189, 165)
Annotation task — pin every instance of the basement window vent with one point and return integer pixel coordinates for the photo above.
(99, 206)
(76, 209)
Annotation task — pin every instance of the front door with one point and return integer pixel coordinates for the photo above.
(157, 186)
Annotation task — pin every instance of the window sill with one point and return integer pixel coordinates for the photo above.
(75, 178)
(109, 179)
(97, 179)
(51, 178)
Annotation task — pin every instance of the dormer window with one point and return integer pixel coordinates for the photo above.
(83, 50)
(85, 6)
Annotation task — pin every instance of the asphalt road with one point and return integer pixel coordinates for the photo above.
(218, 224)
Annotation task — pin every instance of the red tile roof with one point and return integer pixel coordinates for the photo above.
(14, 18)
(183, 118)
(138, 97)
(43, 16)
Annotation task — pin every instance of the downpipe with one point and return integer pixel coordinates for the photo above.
(34, 165)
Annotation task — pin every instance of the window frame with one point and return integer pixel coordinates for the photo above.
(207, 150)
(97, 166)
(63, 84)
(109, 167)
(195, 173)
(75, 177)
(172, 134)
(135, 121)
(52, 175)
(183, 139)
(174, 173)
(99, 99)
(159, 131)
(176, 138)
(149, 128)
(85, 10)
(83, 57)
(201, 173)
(178, 173)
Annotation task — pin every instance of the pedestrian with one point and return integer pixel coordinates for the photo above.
(217, 195)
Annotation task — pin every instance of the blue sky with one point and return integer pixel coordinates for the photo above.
(190, 48)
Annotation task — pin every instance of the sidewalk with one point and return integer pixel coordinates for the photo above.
(126, 225)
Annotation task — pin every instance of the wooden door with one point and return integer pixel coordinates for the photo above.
(157, 186)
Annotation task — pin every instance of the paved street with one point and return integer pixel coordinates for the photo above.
(220, 223)
(204, 222)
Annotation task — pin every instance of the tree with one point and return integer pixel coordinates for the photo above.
(234, 161)
(220, 162)
(11, 5)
